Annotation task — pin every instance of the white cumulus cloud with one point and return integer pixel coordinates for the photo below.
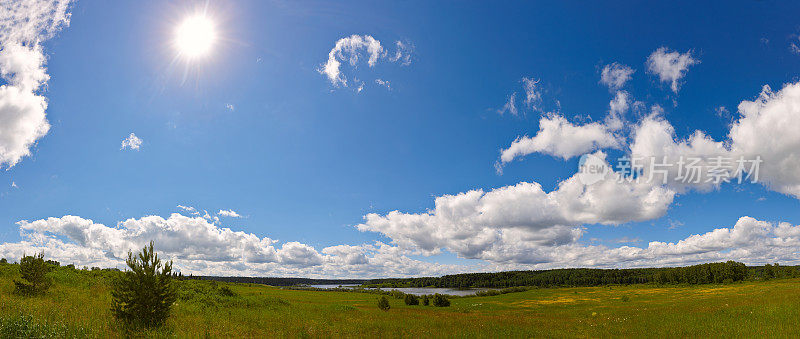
(561, 138)
(199, 246)
(504, 223)
(24, 25)
(763, 130)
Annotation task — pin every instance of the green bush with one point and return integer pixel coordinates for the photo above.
(425, 300)
(207, 293)
(226, 291)
(411, 299)
(34, 275)
(383, 303)
(144, 295)
(440, 300)
(487, 293)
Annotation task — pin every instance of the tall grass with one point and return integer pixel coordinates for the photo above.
(26, 326)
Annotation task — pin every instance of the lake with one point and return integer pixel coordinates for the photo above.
(418, 290)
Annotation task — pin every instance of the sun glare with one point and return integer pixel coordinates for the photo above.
(195, 36)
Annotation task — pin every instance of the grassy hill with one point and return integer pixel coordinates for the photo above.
(78, 306)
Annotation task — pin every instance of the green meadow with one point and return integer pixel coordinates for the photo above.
(78, 305)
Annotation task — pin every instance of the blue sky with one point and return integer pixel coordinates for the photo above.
(255, 126)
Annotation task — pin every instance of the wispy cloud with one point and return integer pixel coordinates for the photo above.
(228, 213)
(615, 75)
(670, 66)
(352, 49)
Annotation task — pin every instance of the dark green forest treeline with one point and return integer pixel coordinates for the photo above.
(730, 271)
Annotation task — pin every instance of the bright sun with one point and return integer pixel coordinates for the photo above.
(195, 36)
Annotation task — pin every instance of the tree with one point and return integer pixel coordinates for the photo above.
(3, 261)
(411, 299)
(34, 275)
(383, 303)
(425, 300)
(440, 300)
(143, 295)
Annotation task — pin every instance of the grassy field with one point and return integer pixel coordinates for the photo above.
(78, 305)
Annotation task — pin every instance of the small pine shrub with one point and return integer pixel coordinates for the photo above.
(425, 300)
(411, 299)
(440, 300)
(383, 303)
(34, 275)
(144, 295)
(226, 291)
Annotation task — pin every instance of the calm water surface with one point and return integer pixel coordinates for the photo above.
(419, 290)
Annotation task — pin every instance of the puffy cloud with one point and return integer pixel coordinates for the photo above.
(670, 66)
(749, 240)
(182, 237)
(767, 128)
(522, 241)
(508, 223)
(764, 130)
(295, 253)
(348, 254)
(523, 224)
(132, 142)
(559, 137)
(22, 122)
(679, 163)
(200, 246)
(355, 47)
(615, 75)
(23, 26)
(761, 144)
